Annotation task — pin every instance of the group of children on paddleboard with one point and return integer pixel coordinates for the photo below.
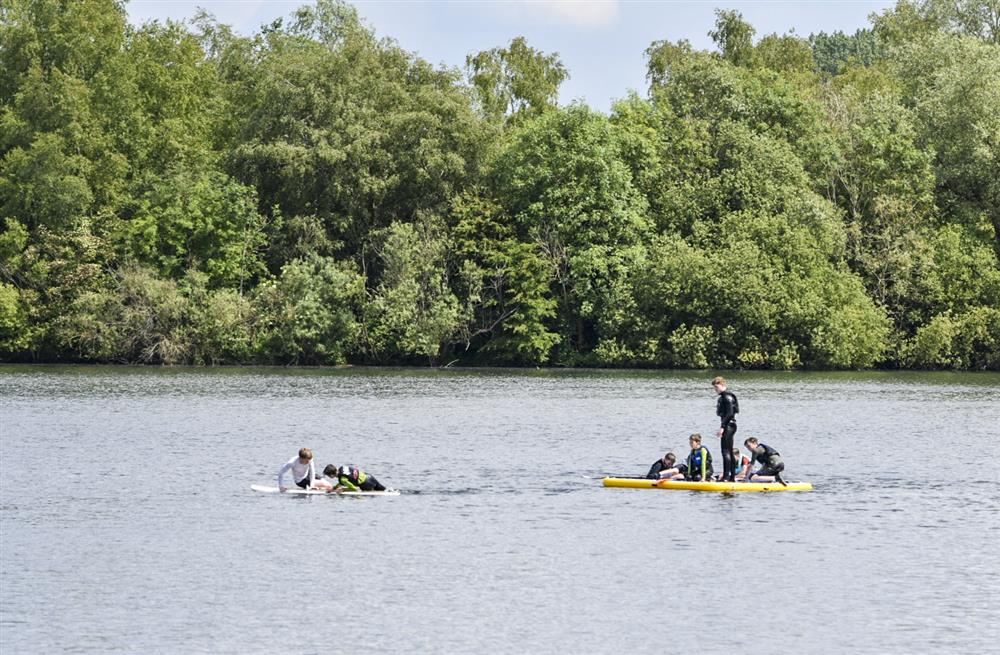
(334, 479)
(697, 466)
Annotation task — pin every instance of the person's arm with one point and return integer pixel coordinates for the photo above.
(347, 485)
(281, 475)
(311, 474)
(654, 471)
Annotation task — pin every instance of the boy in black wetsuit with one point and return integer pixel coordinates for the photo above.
(666, 467)
(699, 462)
(770, 459)
(726, 408)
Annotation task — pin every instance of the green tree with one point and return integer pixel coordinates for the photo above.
(884, 182)
(506, 285)
(139, 318)
(412, 313)
(203, 222)
(670, 157)
(786, 53)
(746, 227)
(14, 327)
(515, 81)
(913, 20)
(954, 89)
(836, 52)
(967, 341)
(783, 248)
(76, 38)
(700, 88)
(331, 123)
(315, 194)
(57, 159)
(43, 185)
(308, 314)
(176, 104)
(564, 182)
(961, 276)
(734, 37)
(223, 323)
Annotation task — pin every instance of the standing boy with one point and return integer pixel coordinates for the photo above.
(727, 407)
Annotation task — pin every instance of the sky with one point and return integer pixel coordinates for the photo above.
(601, 42)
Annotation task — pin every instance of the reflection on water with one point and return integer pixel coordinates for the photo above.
(128, 523)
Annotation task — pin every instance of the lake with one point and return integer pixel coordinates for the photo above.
(127, 523)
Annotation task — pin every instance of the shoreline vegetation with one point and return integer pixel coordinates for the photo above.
(313, 194)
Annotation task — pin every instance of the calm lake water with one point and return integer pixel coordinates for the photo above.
(127, 523)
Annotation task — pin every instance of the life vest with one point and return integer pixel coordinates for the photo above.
(351, 475)
(768, 453)
(695, 463)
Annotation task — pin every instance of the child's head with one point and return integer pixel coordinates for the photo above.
(736, 453)
(330, 471)
(751, 442)
(695, 440)
(719, 382)
(670, 458)
(305, 454)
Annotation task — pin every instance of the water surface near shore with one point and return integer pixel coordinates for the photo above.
(128, 523)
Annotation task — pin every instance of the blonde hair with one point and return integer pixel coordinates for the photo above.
(305, 453)
(719, 380)
(695, 437)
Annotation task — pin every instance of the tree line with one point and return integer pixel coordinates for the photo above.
(315, 194)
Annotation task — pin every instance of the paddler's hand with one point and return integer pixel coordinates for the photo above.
(719, 432)
(282, 489)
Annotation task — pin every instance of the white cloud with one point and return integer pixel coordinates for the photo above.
(587, 13)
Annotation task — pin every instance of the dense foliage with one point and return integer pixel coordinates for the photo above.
(313, 194)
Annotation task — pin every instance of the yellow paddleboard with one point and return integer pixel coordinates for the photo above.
(684, 485)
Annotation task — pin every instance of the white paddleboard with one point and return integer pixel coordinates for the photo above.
(299, 491)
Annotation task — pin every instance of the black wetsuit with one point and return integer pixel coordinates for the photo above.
(371, 484)
(658, 465)
(694, 463)
(770, 460)
(727, 407)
